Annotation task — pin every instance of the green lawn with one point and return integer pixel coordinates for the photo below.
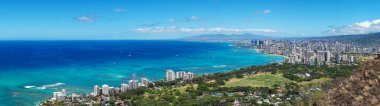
(258, 80)
(315, 82)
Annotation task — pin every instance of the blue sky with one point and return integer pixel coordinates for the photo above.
(168, 19)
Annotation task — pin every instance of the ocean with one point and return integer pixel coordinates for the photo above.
(31, 70)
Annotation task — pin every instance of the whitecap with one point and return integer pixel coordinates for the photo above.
(28, 86)
(52, 85)
(219, 66)
(44, 86)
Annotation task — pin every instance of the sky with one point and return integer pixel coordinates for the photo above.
(171, 19)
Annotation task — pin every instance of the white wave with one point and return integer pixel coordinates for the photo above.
(119, 76)
(219, 66)
(44, 86)
(28, 86)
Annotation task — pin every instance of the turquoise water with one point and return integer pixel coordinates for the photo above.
(31, 71)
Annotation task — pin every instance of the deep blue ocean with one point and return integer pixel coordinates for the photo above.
(31, 70)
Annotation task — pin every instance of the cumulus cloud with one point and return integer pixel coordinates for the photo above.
(86, 19)
(266, 11)
(219, 30)
(151, 25)
(171, 20)
(120, 10)
(194, 18)
(356, 28)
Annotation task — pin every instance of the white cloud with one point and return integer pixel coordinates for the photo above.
(171, 20)
(194, 18)
(86, 19)
(266, 11)
(219, 30)
(357, 28)
(120, 10)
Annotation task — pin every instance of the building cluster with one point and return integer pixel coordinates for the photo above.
(132, 84)
(59, 96)
(171, 75)
(312, 51)
(105, 91)
(63, 97)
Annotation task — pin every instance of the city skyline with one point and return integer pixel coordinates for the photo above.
(170, 19)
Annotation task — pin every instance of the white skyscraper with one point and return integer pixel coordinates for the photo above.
(133, 84)
(338, 58)
(96, 90)
(145, 81)
(61, 97)
(352, 60)
(180, 74)
(124, 87)
(105, 89)
(328, 56)
(75, 97)
(63, 91)
(55, 95)
(112, 90)
(190, 75)
(170, 75)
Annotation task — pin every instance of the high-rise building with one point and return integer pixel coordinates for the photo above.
(338, 58)
(117, 89)
(124, 87)
(345, 58)
(105, 89)
(145, 81)
(55, 95)
(96, 90)
(190, 75)
(170, 75)
(352, 60)
(327, 56)
(75, 97)
(112, 90)
(61, 97)
(321, 56)
(180, 74)
(133, 84)
(63, 91)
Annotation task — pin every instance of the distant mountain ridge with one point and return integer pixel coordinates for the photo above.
(371, 39)
(226, 37)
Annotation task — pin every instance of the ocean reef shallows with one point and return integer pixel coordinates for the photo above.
(31, 70)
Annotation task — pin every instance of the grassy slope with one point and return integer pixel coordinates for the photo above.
(315, 81)
(268, 80)
(258, 80)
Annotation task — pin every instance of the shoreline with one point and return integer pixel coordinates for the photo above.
(256, 50)
(286, 57)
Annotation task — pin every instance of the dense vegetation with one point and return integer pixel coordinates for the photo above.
(209, 89)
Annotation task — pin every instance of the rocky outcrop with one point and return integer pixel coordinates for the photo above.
(360, 89)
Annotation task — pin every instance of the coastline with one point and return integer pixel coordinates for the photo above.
(286, 57)
(276, 60)
(256, 50)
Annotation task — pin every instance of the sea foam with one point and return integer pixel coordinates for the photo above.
(44, 86)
